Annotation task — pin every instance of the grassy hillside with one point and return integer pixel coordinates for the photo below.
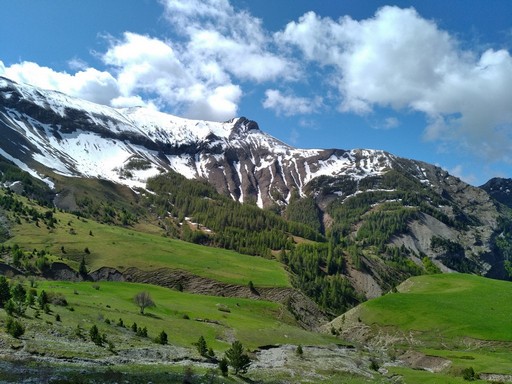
(183, 316)
(451, 305)
(59, 336)
(68, 236)
(459, 320)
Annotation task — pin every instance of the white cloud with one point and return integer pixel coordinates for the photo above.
(153, 67)
(289, 105)
(90, 84)
(400, 60)
(234, 40)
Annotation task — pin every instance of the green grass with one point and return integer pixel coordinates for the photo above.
(121, 248)
(448, 306)
(254, 322)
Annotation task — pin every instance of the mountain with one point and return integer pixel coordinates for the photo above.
(378, 218)
(500, 189)
(77, 138)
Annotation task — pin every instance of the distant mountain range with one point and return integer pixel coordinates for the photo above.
(390, 216)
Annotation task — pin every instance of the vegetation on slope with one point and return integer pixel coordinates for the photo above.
(462, 319)
(51, 235)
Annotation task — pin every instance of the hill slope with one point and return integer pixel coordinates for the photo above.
(440, 323)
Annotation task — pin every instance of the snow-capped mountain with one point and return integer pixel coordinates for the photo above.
(74, 137)
(48, 134)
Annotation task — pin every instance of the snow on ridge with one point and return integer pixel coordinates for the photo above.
(169, 127)
(27, 169)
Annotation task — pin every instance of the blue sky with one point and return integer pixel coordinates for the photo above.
(429, 80)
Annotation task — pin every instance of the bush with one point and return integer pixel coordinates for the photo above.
(142, 332)
(14, 328)
(223, 366)
(162, 338)
(469, 374)
(95, 336)
(57, 298)
(374, 365)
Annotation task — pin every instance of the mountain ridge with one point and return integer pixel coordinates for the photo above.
(385, 218)
(70, 137)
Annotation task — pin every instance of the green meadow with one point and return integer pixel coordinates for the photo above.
(120, 248)
(449, 306)
(183, 316)
(463, 318)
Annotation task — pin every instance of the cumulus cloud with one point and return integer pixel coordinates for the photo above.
(89, 84)
(233, 40)
(153, 67)
(400, 60)
(289, 105)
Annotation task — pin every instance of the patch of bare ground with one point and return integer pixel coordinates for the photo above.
(314, 364)
(495, 377)
(418, 360)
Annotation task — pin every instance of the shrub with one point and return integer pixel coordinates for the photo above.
(142, 332)
(223, 366)
(469, 374)
(374, 365)
(57, 298)
(95, 336)
(162, 338)
(14, 328)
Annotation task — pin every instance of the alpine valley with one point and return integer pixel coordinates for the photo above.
(237, 236)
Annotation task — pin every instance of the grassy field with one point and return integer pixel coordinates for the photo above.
(448, 306)
(463, 318)
(183, 316)
(121, 248)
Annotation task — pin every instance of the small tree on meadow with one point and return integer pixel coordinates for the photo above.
(14, 328)
(18, 296)
(95, 336)
(42, 299)
(162, 338)
(237, 358)
(143, 300)
(202, 348)
(223, 366)
(82, 268)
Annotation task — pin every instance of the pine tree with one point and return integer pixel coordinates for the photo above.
(202, 348)
(162, 338)
(95, 336)
(82, 269)
(237, 358)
